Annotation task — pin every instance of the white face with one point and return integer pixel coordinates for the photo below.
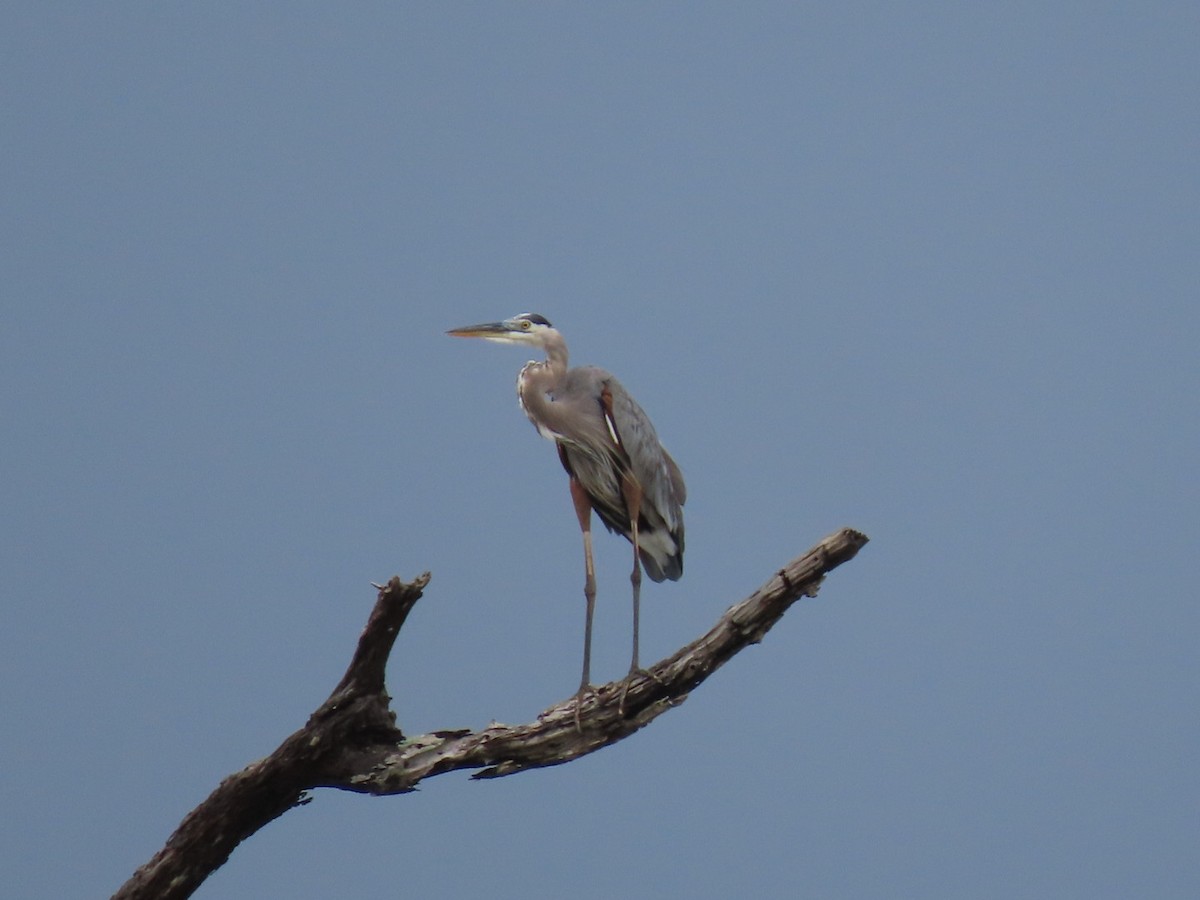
(520, 330)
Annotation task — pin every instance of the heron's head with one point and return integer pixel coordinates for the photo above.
(527, 328)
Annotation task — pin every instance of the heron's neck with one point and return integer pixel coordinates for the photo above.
(556, 358)
(537, 379)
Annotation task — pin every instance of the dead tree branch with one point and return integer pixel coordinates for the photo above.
(352, 743)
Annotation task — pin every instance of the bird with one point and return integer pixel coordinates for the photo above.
(614, 461)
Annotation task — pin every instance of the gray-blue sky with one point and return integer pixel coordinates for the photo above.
(928, 270)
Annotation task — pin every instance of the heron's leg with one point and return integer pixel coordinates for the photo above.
(633, 502)
(583, 511)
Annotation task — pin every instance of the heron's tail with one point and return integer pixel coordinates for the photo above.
(662, 554)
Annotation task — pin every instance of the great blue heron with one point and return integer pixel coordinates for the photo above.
(611, 453)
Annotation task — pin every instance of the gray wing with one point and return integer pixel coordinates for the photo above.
(663, 493)
(658, 474)
(602, 433)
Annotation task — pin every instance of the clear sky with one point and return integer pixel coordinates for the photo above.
(928, 270)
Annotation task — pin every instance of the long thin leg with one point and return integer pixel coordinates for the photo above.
(635, 579)
(633, 502)
(583, 511)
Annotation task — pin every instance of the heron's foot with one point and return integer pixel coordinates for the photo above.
(638, 670)
(634, 671)
(580, 696)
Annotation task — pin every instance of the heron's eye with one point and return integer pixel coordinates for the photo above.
(526, 324)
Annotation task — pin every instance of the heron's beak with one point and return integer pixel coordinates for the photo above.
(487, 330)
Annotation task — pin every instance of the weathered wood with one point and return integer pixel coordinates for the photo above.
(352, 743)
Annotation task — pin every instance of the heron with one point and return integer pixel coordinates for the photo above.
(614, 461)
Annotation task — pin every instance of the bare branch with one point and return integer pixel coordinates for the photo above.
(352, 743)
(366, 670)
